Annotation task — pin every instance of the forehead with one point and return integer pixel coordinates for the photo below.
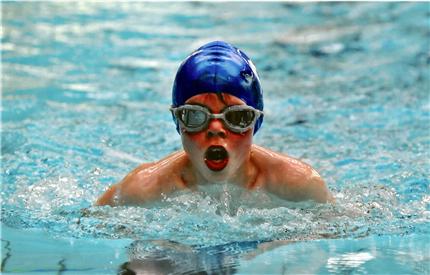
(214, 100)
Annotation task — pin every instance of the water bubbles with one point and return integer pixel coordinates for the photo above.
(351, 102)
(97, 171)
(217, 214)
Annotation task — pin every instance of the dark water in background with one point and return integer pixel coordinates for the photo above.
(85, 96)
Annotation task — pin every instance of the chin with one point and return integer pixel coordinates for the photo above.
(223, 175)
(216, 176)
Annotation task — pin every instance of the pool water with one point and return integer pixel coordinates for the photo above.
(85, 95)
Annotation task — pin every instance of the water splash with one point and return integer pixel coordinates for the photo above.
(347, 97)
(215, 215)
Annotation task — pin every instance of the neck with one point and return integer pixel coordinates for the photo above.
(244, 175)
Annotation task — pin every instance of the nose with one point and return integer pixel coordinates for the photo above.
(216, 128)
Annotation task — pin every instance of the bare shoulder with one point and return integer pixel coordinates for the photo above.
(147, 182)
(289, 177)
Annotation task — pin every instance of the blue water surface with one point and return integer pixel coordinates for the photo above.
(86, 88)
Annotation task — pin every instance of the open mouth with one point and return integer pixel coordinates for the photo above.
(216, 158)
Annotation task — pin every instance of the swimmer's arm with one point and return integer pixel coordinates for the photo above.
(113, 195)
(297, 181)
(148, 182)
(315, 188)
(108, 197)
(137, 187)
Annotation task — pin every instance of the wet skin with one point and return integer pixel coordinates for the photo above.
(247, 165)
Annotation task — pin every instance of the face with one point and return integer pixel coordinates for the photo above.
(216, 152)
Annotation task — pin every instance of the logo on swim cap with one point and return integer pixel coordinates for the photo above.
(218, 67)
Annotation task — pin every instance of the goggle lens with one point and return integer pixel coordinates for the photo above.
(192, 118)
(236, 118)
(239, 118)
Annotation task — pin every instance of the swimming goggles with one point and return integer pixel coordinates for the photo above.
(237, 118)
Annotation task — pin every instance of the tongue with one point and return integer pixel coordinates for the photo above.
(216, 158)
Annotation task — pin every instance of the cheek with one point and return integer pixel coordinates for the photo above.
(193, 142)
(198, 142)
(240, 142)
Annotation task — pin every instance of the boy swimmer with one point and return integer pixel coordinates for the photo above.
(217, 107)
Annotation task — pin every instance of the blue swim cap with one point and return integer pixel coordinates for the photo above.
(218, 67)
